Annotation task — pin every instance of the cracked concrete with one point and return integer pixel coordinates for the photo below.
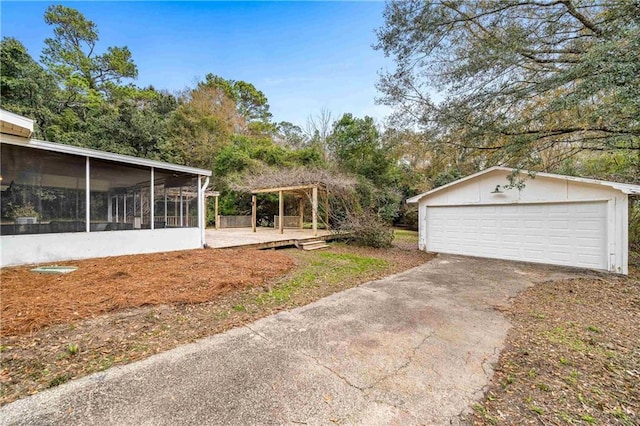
(414, 348)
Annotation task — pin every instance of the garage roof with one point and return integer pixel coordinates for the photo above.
(623, 187)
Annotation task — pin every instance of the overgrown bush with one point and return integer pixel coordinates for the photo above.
(367, 230)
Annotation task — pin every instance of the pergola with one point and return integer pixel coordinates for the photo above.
(301, 191)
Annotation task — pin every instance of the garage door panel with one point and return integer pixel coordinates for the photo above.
(558, 210)
(572, 234)
(559, 225)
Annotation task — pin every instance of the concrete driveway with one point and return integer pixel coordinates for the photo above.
(413, 348)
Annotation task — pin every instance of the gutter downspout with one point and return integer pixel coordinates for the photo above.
(203, 215)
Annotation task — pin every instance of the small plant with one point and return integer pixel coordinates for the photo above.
(73, 349)
(240, 308)
(594, 329)
(482, 412)
(563, 361)
(538, 315)
(544, 387)
(151, 317)
(618, 413)
(587, 418)
(24, 210)
(58, 380)
(537, 410)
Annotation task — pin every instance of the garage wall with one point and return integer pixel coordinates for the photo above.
(478, 191)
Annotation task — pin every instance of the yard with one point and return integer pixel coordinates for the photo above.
(117, 310)
(572, 356)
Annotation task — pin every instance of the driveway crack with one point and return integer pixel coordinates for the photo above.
(257, 333)
(334, 372)
(406, 364)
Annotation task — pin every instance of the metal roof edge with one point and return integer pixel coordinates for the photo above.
(101, 155)
(17, 120)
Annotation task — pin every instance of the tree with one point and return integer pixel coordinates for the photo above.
(25, 87)
(201, 126)
(318, 130)
(72, 54)
(356, 146)
(290, 135)
(511, 79)
(252, 105)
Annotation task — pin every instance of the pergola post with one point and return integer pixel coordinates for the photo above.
(254, 212)
(281, 212)
(301, 211)
(314, 211)
(217, 218)
(326, 210)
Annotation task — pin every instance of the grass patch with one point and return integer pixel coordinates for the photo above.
(405, 236)
(564, 336)
(327, 268)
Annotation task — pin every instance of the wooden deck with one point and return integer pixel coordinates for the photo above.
(262, 238)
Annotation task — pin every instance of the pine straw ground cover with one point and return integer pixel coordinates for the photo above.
(572, 356)
(164, 300)
(31, 301)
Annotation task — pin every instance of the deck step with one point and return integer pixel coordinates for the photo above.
(312, 245)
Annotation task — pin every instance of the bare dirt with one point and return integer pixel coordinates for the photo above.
(572, 356)
(117, 310)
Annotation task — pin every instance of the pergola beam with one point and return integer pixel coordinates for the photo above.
(284, 188)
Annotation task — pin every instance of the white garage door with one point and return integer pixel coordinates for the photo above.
(573, 234)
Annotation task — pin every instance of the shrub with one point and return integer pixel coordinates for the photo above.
(367, 230)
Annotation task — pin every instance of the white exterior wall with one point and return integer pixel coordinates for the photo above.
(39, 248)
(478, 191)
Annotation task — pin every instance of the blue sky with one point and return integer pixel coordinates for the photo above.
(304, 56)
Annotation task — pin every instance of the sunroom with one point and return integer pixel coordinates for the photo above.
(61, 202)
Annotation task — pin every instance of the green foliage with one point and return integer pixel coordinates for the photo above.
(71, 54)
(72, 349)
(522, 83)
(357, 147)
(619, 166)
(251, 104)
(446, 177)
(25, 87)
(290, 135)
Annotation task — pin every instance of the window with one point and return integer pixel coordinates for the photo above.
(42, 191)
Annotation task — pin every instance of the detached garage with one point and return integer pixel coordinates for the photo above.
(554, 219)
